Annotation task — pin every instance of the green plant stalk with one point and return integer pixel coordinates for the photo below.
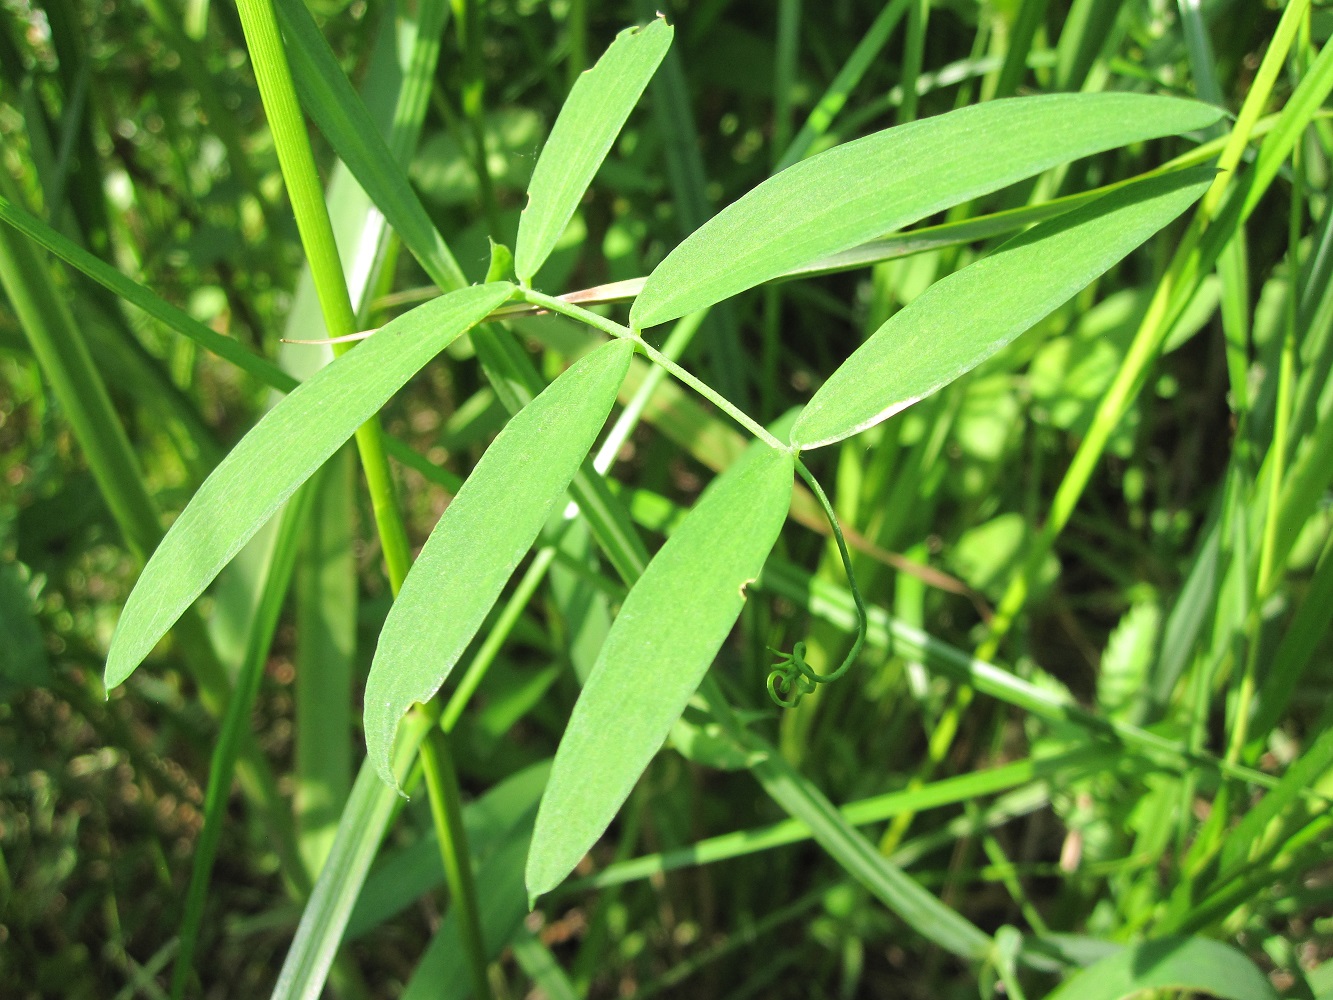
(614, 329)
(467, 21)
(576, 28)
(918, 17)
(278, 93)
(496, 636)
(273, 74)
(446, 810)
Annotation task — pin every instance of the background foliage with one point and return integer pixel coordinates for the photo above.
(1178, 614)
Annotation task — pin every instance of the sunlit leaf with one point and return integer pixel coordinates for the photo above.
(482, 536)
(589, 122)
(282, 451)
(662, 643)
(868, 188)
(968, 316)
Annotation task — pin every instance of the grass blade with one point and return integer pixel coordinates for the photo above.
(480, 539)
(870, 187)
(968, 316)
(588, 124)
(862, 58)
(920, 910)
(364, 820)
(279, 454)
(326, 603)
(662, 643)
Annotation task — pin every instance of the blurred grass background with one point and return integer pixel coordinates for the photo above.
(134, 129)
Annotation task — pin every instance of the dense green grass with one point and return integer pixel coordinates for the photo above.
(1081, 745)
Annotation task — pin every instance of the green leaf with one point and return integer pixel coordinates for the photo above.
(282, 451)
(1194, 964)
(865, 189)
(968, 316)
(667, 633)
(593, 114)
(482, 536)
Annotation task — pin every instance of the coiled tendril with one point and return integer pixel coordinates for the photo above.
(791, 678)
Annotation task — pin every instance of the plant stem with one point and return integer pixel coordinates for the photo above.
(447, 812)
(615, 329)
(278, 93)
(273, 74)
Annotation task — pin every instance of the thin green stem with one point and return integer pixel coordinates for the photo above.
(496, 636)
(273, 74)
(791, 677)
(446, 811)
(278, 93)
(1264, 578)
(614, 329)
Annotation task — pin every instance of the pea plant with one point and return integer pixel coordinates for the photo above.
(537, 481)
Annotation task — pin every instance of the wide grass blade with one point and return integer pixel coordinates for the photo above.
(482, 536)
(867, 188)
(281, 452)
(661, 645)
(1194, 964)
(965, 318)
(588, 124)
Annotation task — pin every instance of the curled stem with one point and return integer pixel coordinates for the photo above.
(792, 678)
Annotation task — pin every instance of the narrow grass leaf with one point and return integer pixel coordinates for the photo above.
(282, 451)
(867, 188)
(860, 859)
(968, 316)
(662, 643)
(1195, 964)
(482, 536)
(326, 606)
(593, 115)
(360, 830)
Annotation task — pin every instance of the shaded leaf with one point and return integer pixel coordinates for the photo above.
(865, 189)
(482, 536)
(968, 316)
(593, 115)
(282, 451)
(662, 643)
